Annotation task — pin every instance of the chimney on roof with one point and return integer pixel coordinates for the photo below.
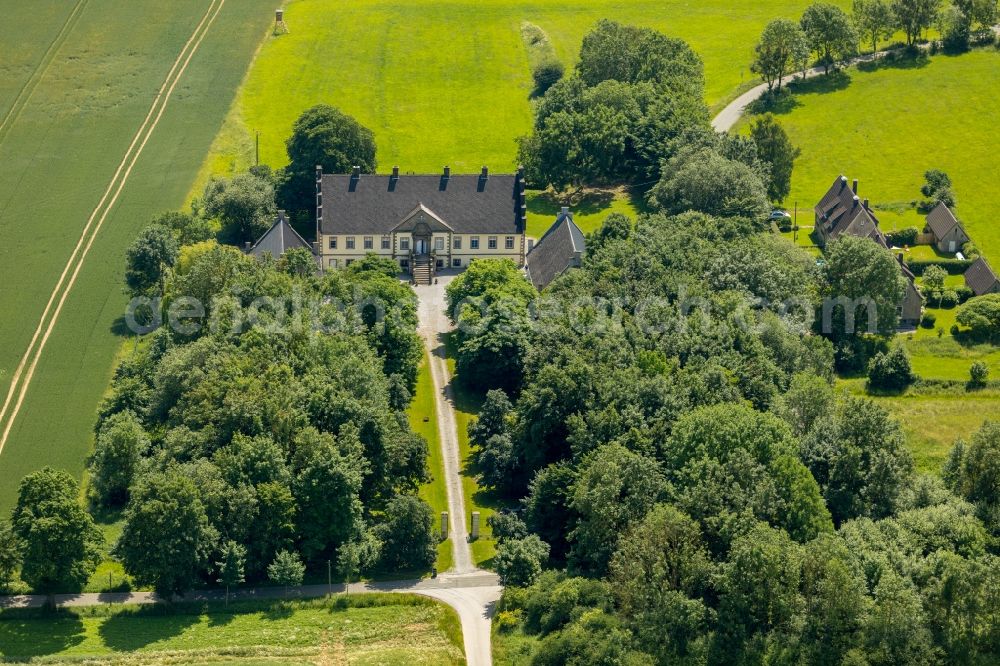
(356, 172)
(565, 210)
(856, 200)
(855, 186)
(486, 173)
(447, 172)
(395, 172)
(246, 246)
(866, 204)
(843, 180)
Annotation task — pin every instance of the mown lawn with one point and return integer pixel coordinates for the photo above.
(887, 126)
(365, 629)
(423, 420)
(449, 82)
(88, 98)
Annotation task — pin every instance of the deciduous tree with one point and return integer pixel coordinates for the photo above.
(778, 51)
(776, 149)
(60, 545)
(830, 33)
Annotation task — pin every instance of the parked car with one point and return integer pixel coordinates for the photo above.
(778, 215)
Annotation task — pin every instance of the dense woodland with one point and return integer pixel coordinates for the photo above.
(685, 484)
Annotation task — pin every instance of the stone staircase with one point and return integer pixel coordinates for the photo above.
(423, 272)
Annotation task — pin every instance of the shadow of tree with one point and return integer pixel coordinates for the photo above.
(899, 59)
(42, 634)
(133, 629)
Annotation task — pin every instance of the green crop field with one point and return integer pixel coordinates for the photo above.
(367, 629)
(449, 82)
(77, 79)
(887, 126)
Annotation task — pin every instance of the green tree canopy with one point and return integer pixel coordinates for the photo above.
(327, 137)
(60, 545)
(167, 539)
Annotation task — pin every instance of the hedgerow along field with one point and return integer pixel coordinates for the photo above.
(449, 82)
(888, 125)
(89, 71)
(385, 629)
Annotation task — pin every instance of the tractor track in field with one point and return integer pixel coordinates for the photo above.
(21, 380)
(24, 94)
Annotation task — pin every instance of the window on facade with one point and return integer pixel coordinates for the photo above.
(456, 243)
(404, 244)
(385, 243)
(350, 242)
(457, 263)
(491, 243)
(348, 262)
(333, 242)
(474, 243)
(404, 263)
(368, 243)
(438, 244)
(508, 242)
(333, 263)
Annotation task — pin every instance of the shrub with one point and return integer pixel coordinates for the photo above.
(506, 621)
(892, 371)
(954, 329)
(546, 74)
(928, 320)
(979, 374)
(907, 236)
(982, 315)
(970, 250)
(519, 561)
(951, 266)
(949, 298)
(964, 294)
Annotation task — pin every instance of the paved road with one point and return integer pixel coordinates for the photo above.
(729, 116)
(474, 604)
(434, 324)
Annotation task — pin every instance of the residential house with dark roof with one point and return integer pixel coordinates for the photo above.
(981, 279)
(558, 250)
(841, 211)
(949, 234)
(424, 222)
(277, 240)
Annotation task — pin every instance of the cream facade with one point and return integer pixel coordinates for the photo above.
(434, 222)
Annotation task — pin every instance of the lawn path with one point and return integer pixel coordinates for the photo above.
(21, 379)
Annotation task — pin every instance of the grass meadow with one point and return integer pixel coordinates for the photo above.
(74, 88)
(385, 629)
(888, 125)
(450, 82)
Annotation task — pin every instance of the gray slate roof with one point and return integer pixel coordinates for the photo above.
(981, 279)
(559, 248)
(941, 220)
(376, 204)
(840, 211)
(278, 239)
